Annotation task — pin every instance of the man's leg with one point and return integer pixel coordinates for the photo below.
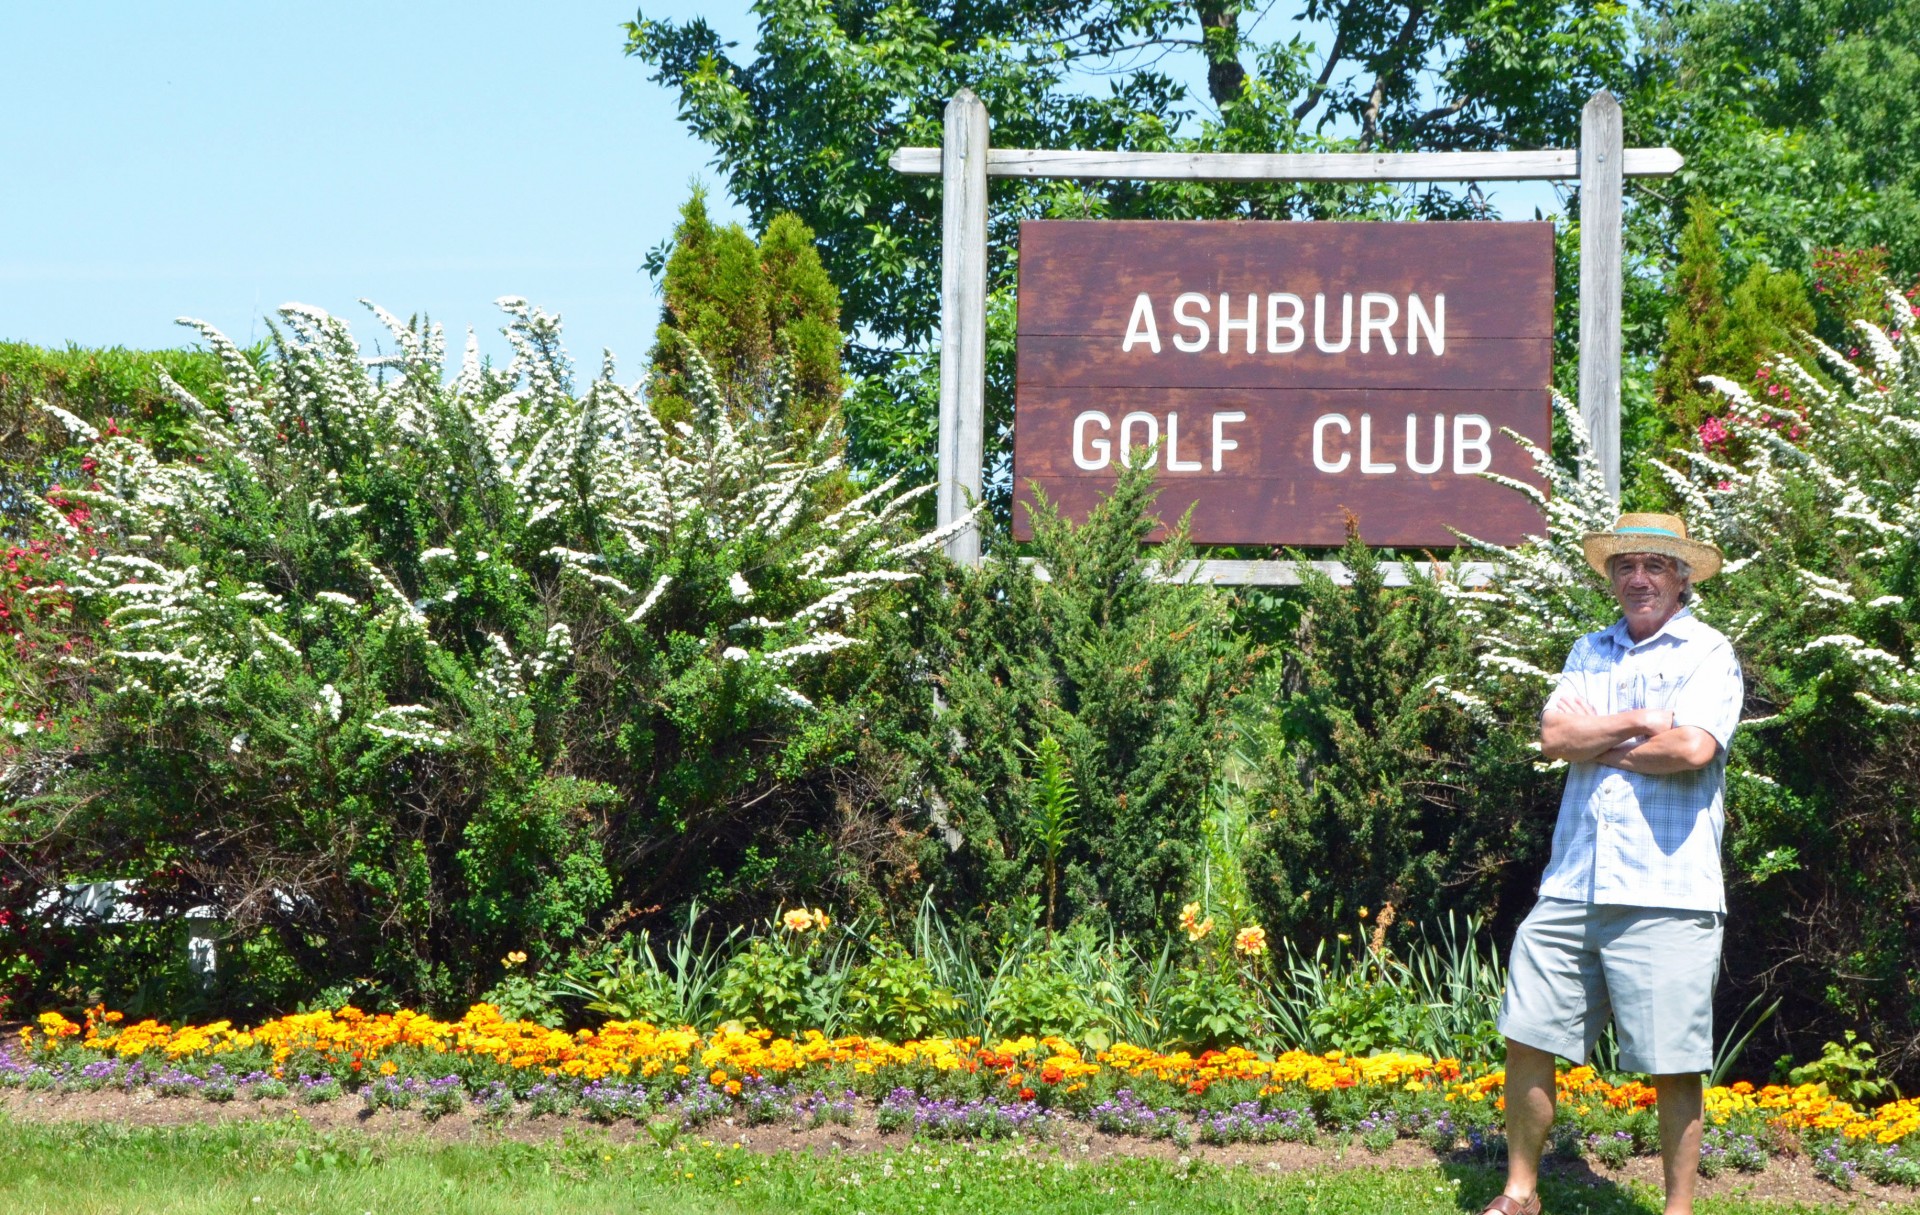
(1530, 1093)
(1679, 1100)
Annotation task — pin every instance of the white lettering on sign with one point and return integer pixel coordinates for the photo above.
(1096, 445)
(1368, 464)
(1138, 332)
(1174, 462)
(1472, 449)
(1181, 316)
(1152, 426)
(1439, 444)
(1320, 425)
(1221, 444)
(1290, 322)
(1320, 324)
(1286, 325)
(1382, 324)
(1094, 452)
(1102, 449)
(1482, 454)
(1228, 324)
(1434, 323)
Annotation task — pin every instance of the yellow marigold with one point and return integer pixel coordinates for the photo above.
(1251, 940)
(820, 920)
(798, 920)
(56, 1026)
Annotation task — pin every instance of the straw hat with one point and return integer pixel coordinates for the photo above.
(1665, 534)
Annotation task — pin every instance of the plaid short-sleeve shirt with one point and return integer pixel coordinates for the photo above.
(1634, 839)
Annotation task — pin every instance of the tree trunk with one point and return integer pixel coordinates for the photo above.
(1220, 35)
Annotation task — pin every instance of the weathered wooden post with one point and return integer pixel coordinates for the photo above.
(964, 162)
(963, 304)
(1601, 180)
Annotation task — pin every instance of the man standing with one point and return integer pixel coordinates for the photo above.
(1631, 906)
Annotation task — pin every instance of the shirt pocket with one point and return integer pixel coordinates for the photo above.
(1656, 690)
(1643, 690)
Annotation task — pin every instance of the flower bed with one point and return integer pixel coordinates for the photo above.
(942, 1088)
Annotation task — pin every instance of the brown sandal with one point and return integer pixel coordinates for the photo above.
(1503, 1205)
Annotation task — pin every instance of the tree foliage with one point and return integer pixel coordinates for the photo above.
(755, 314)
(1799, 121)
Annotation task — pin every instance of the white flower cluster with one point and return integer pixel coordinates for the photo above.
(1850, 453)
(594, 481)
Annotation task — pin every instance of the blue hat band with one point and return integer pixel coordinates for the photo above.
(1651, 531)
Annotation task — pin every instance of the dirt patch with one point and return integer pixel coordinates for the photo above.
(1783, 1180)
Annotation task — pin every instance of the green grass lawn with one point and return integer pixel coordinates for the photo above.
(287, 1167)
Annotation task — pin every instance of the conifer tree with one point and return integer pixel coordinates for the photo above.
(803, 314)
(1697, 322)
(754, 312)
(1710, 332)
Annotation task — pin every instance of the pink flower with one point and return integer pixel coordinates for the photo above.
(1773, 390)
(1713, 432)
(1853, 352)
(1726, 485)
(1763, 373)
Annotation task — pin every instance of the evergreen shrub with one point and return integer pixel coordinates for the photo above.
(1371, 783)
(1084, 638)
(402, 673)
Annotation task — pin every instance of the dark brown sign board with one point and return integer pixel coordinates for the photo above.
(1289, 373)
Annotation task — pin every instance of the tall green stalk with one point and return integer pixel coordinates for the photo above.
(1051, 818)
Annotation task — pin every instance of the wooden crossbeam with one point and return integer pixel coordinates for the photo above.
(1309, 166)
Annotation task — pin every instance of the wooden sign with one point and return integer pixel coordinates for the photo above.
(1285, 374)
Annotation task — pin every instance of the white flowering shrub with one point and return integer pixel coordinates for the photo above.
(414, 670)
(1812, 490)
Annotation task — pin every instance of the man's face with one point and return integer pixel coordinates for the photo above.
(1647, 586)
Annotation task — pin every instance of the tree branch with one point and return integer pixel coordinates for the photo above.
(1317, 92)
(1376, 99)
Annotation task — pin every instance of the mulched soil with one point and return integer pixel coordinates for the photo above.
(1783, 1180)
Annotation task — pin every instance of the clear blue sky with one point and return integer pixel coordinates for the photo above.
(218, 159)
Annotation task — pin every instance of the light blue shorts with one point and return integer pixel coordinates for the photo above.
(1653, 969)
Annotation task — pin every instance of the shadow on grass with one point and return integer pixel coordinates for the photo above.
(1567, 1187)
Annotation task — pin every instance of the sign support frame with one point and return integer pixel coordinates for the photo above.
(966, 159)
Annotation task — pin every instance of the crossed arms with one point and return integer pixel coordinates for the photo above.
(1572, 731)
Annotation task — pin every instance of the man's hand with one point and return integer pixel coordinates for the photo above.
(1571, 730)
(1684, 749)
